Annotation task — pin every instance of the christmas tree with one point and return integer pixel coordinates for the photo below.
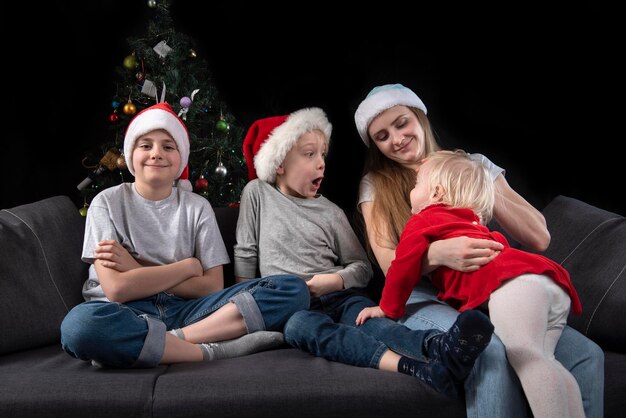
(163, 65)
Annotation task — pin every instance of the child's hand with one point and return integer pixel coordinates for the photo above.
(113, 255)
(322, 284)
(367, 313)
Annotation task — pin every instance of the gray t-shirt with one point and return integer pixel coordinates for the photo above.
(366, 187)
(160, 232)
(287, 235)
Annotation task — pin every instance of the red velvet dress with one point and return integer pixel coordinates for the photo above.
(460, 290)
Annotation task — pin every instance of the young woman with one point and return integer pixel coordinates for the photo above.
(528, 296)
(392, 123)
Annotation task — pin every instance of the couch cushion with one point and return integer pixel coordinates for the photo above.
(591, 244)
(41, 273)
(291, 383)
(47, 382)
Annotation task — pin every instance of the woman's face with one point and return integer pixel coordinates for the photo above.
(399, 135)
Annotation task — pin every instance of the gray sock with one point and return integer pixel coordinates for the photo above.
(247, 344)
(177, 332)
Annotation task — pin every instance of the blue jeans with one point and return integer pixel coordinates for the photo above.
(493, 390)
(132, 334)
(328, 329)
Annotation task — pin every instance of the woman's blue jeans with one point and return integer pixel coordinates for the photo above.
(328, 329)
(493, 390)
(132, 334)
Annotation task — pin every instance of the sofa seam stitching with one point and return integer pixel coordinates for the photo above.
(44, 256)
(597, 306)
(602, 300)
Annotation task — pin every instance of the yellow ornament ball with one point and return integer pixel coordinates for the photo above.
(130, 108)
(130, 62)
(121, 162)
(83, 211)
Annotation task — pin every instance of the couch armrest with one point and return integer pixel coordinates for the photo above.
(591, 244)
(41, 273)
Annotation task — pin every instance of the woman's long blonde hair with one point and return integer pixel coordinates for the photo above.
(392, 183)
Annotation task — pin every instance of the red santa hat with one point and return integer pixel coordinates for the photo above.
(159, 116)
(269, 140)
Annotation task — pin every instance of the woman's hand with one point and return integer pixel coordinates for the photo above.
(367, 313)
(461, 254)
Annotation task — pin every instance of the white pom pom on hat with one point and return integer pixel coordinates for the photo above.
(159, 116)
(268, 140)
(378, 100)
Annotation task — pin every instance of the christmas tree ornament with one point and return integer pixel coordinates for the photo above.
(221, 124)
(152, 4)
(113, 117)
(121, 162)
(109, 160)
(130, 108)
(130, 62)
(149, 89)
(221, 170)
(192, 53)
(83, 210)
(202, 183)
(115, 104)
(185, 102)
(162, 49)
(140, 76)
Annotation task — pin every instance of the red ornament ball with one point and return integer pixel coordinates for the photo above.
(113, 117)
(202, 184)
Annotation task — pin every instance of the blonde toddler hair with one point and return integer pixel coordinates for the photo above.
(466, 183)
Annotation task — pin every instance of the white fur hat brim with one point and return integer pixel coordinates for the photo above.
(159, 116)
(273, 151)
(380, 99)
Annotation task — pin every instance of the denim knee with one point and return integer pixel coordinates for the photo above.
(296, 291)
(297, 323)
(74, 327)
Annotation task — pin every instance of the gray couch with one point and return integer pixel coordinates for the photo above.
(41, 277)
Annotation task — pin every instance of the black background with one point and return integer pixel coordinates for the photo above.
(538, 91)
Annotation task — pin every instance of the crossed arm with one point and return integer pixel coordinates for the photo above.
(123, 278)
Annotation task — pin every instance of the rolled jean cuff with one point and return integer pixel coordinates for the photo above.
(249, 311)
(154, 344)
